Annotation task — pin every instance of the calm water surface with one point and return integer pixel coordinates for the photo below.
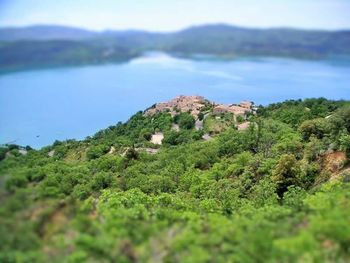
(37, 107)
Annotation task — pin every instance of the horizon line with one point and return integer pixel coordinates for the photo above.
(172, 31)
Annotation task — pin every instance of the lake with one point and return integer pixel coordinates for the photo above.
(39, 106)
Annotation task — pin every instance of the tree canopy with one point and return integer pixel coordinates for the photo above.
(277, 191)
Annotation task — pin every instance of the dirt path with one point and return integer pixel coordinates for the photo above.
(199, 124)
(148, 150)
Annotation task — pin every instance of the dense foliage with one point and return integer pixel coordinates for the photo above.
(275, 192)
(28, 54)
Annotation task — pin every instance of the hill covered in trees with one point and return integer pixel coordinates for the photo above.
(275, 191)
(42, 46)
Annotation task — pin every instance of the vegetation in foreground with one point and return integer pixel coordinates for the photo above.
(276, 192)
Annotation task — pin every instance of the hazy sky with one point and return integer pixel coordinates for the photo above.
(168, 15)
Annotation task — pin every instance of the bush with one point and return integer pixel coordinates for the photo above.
(200, 116)
(345, 144)
(3, 151)
(101, 181)
(286, 173)
(185, 121)
(97, 151)
(316, 127)
(131, 154)
(16, 181)
(147, 136)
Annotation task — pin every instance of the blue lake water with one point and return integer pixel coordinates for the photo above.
(37, 107)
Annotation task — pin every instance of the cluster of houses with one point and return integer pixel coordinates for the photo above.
(194, 104)
(241, 109)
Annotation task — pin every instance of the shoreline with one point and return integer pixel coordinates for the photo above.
(342, 61)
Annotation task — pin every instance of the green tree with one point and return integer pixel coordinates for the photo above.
(96, 151)
(286, 173)
(345, 144)
(3, 151)
(185, 121)
(200, 116)
(316, 127)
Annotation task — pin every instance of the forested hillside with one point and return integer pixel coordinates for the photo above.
(42, 46)
(51, 53)
(276, 191)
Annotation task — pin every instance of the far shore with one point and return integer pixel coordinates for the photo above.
(336, 60)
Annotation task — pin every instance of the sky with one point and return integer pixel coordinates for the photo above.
(172, 15)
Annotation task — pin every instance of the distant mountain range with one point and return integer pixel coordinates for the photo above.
(43, 46)
(44, 33)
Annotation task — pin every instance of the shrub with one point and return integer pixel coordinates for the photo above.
(286, 173)
(185, 121)
(97, 151)
(16, 180)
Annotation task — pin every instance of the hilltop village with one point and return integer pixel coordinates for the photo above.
(197, 104)
(208, 119)
(209, 116)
